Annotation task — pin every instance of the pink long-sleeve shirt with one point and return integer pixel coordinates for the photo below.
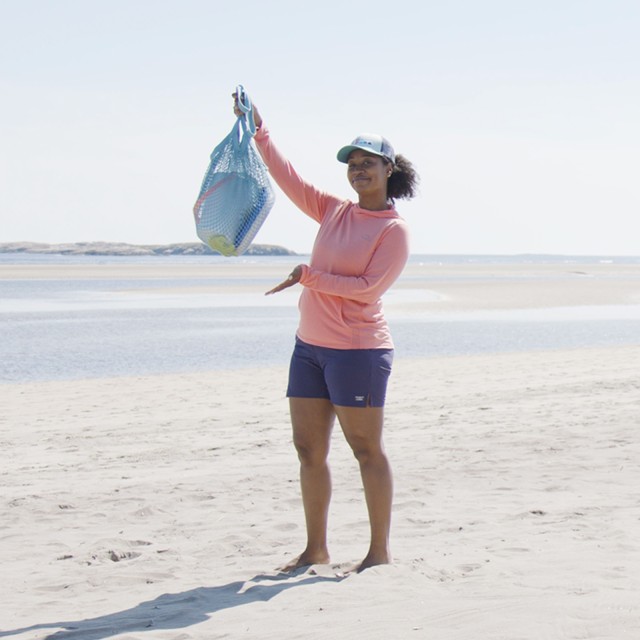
(357, 255)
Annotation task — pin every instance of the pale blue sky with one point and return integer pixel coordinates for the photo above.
(522, 117)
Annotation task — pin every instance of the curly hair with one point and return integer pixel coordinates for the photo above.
(403, 181)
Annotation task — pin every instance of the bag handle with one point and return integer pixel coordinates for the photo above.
(246, 106)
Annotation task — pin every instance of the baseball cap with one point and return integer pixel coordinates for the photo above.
(371, 142)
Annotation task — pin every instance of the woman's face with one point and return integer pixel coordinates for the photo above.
(367, 173)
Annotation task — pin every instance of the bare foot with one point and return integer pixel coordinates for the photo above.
(373, 560)
(305, 559)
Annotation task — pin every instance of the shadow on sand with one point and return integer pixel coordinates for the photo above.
(178, 610)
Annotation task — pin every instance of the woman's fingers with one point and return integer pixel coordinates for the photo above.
(236, 110)
(292, 278)
(283, 285)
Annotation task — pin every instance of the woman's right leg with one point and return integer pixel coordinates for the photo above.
(312, 421)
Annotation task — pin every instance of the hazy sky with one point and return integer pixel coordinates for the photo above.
(521, 116)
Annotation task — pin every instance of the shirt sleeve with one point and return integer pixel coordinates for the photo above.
(303, 194)
(384, 268)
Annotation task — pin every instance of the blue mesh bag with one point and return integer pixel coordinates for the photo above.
(236, 195)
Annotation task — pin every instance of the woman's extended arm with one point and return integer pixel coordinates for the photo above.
(312, 201)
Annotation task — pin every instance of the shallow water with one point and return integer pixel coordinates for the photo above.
(69, 329)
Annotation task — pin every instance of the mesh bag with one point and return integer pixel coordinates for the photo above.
(236, 194)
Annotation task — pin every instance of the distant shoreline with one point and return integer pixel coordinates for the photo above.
(124, 249)
(188, 249)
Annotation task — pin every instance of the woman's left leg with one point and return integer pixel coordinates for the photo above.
(362, 427)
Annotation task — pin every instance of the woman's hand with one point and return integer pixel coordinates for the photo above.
(293, 278)
(236, 109)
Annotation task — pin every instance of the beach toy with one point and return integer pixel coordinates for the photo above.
(236, 195)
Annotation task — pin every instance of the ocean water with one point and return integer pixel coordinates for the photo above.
(70, 329)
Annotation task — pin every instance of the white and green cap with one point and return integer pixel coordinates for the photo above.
(371, 142)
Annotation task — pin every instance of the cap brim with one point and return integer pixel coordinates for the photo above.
(343, 154)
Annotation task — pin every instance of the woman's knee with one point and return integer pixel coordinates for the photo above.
(310, 453)
(366, 450)
(312, 421)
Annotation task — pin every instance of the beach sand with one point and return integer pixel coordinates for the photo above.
(160, 506)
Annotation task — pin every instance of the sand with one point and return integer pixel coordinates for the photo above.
(160, 506)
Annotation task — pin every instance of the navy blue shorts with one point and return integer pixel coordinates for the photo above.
(347, 377)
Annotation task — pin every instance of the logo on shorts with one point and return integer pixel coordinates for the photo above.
(359, 398)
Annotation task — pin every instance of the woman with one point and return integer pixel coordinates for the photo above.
(343, 353)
